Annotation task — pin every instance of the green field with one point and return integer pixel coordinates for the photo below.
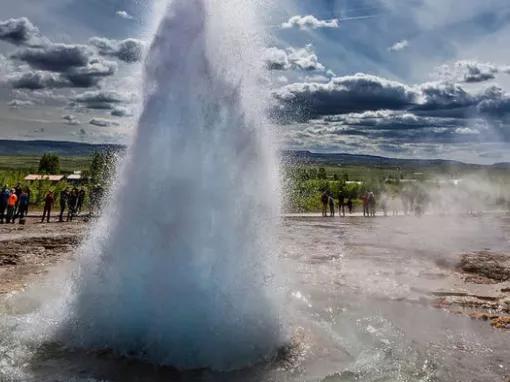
(302, 183)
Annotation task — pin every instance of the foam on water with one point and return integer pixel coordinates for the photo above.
(180, 269)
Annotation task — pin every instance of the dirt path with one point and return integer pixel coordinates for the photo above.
(28, 250)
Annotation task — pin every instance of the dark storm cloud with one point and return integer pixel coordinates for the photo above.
(129, 50)
(69, 65)
(499, 107)
(37, 80)
(20, 32)
(91, 74)
(444, 95)
(363, 92)
(359, 92)
(55, 57)
(105, 100)
(121, 112)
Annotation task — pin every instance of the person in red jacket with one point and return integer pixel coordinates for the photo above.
(48, 203)
(12, 202)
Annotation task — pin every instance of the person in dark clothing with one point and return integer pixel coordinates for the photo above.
(71, 207)
(324, 201)
(24, 200)
(331, 202)
(48, 204)
(81, 200)
(364, 200)
(64, 196)
(341, 203)
(349, 205)
(4, 196)
(371, 204)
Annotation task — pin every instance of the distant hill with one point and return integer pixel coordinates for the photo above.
(76, 149)
(376, 161)
(70, 149)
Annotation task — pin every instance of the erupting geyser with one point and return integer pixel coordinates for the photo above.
(180, 268)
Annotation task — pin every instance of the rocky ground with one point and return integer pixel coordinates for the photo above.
(28, 250)
(484, 278)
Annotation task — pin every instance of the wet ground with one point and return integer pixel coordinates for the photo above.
(384, 299)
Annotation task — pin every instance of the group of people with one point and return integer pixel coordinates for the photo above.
(328, 201)
(14, 204)
(369, 204)
(72, 200)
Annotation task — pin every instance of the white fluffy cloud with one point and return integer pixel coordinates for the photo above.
(398, 46)
(293, 58)
(309, 22)
(124, 15)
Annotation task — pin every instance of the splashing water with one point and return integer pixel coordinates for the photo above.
(180, 269)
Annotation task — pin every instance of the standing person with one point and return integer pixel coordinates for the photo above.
(324, 201)
(11, 206)
(64, 196)
(4, 196)
(331, 203)
(48, 203)
(364, 200)
(81, 199)
(71, 207)
(18, 190)
(24, 200)
(349, 206)
(371, 204)
(341, 203)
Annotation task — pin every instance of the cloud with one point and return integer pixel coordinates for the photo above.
(470, 71)
(35, 80)
(292, 58)
(91, 74)
(495, 107)
(20, 31)
(129, 50)
(342, 95)
(120, 111)
(444, 95)
(309, 22)
(71, 120)
(101, 122)
(17, 103)
(124, 15)
(55, 57)
(101, 99)
(398, 46)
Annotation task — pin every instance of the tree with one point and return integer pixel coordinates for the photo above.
(322, 173)
(49, 164)
(102, 167)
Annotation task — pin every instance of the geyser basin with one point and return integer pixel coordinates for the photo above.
(180, 269)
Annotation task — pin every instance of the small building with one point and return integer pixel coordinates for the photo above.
(357, 182)
(38, 177)
(75, 177)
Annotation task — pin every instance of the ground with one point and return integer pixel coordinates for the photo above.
(27, 251)
(478, 285)
(408, 298)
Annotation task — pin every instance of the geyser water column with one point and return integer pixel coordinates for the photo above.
(180, 268)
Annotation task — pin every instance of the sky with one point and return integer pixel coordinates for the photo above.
(398, 78)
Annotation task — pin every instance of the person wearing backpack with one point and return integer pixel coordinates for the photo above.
(12, 202)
